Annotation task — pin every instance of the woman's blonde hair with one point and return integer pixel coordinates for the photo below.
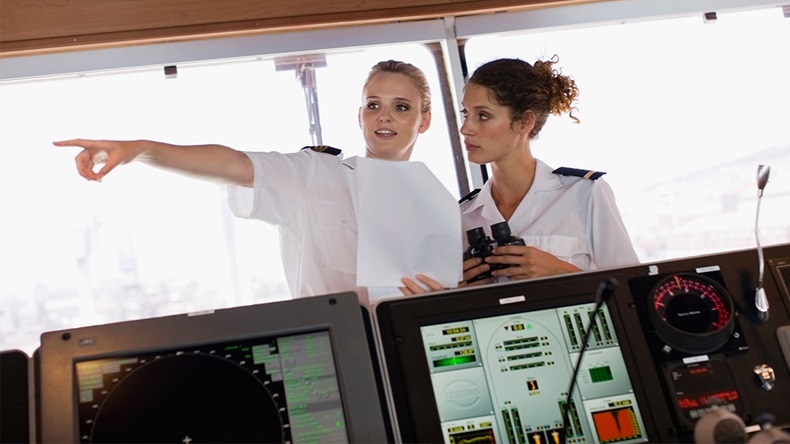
(407, 69)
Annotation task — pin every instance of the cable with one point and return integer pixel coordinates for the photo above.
(605, 290)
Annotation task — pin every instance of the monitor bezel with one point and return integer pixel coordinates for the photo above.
(340, 314)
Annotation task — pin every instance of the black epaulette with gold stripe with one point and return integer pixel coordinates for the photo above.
(578, 172)
(323, 149)
(469, 196)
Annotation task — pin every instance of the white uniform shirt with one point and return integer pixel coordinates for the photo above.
(307, 195)
(573, 218)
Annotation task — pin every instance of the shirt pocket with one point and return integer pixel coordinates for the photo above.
(564, 247)
(336, 241)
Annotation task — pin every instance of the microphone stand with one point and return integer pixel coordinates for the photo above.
(760, 298)
(605, 290)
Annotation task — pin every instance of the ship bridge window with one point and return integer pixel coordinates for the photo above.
(679, 112)
(144, 242)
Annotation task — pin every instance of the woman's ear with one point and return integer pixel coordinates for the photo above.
(425, 123)
(527, 122)
(359, 117)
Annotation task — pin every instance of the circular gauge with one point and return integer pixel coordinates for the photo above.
(691, 313)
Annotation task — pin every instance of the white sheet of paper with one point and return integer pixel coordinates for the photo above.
(408, 223)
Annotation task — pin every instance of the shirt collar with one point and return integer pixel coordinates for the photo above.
(482, 199)
(545, 180)
(351, 162)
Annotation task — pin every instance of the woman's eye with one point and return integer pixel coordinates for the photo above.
(373, 106)
(402, 107)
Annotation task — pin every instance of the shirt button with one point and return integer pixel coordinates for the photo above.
(345, 221)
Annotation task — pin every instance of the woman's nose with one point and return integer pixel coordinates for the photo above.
(465, 129)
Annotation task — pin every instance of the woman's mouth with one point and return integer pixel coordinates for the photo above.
(385, 132)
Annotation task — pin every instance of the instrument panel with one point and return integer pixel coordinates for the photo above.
(692, 346)
(704, 344)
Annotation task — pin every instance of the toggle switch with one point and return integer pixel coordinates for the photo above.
(765, 376)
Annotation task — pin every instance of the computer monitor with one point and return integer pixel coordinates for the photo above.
(494, 364)
(292, 371)
(14, 396)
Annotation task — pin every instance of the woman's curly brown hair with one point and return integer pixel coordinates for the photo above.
(521, 87)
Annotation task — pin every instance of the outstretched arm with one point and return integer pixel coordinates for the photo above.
(209, 162)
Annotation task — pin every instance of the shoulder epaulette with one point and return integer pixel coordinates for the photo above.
(469, 196)
(323, 149)
(578, 172)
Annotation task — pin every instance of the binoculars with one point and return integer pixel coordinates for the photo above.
(482, 246)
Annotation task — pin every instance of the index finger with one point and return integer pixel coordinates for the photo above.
(73, 142)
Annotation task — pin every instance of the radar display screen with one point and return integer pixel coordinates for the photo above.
(273, 389)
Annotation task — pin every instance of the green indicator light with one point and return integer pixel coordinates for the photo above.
(456, 360)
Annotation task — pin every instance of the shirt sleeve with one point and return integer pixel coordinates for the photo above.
(609, 240)
(280, 184)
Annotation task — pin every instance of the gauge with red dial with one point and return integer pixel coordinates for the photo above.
(691, 313)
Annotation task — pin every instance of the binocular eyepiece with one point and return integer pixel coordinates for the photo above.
(482, 246)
